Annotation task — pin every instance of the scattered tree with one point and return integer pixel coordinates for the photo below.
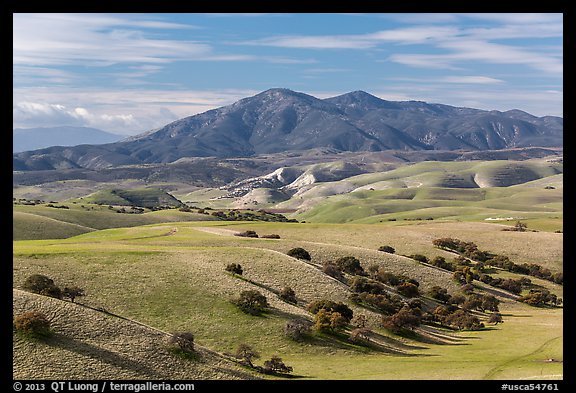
(246, 354)
(33, 324)
(332, 270)
(350, 265)
(287, 294)
(419, 258)
(461, 320)
(387, 249)
(440, 294)
(247, 234)
(362, 284)
(235, 268)
(42, 285)
(332, 306)
(360, 321)
(440, 261)
(408, 289)
(299, 253)
(329, 321)
(276, 365)
(360, 335)
(271, 236)
(251, 302)
(520, 226)
(540, 298)
(184, 341)
(495, 318)
(297, 329)
(402, 320)
(72, 292)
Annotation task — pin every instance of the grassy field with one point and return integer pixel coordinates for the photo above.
(124, 350)
(43, 222)
(165, 269)
(177, 281)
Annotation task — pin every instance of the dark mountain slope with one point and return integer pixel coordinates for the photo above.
(279, 120)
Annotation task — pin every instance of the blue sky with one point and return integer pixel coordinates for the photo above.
(129, 73)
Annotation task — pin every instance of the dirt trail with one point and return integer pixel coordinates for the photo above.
(490, 374)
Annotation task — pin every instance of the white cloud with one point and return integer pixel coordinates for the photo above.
(479, 51)
(409, 35)
(463, 44)
(35, 114)
(124, 111)
(89, 39)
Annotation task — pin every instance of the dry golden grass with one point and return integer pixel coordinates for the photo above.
(91, 345)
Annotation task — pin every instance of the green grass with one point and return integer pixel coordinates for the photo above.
(144, 197)
(171, 276)
(41, 222)
(166, 268)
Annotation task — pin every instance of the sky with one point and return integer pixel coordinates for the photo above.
(131, 73)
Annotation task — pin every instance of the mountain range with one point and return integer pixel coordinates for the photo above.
(25, 139)
(280, 120)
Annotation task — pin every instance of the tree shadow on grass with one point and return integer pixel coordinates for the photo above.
(432, 335)
(341, 340)
(103, 355)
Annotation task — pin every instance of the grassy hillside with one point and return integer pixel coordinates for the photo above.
(171, 276)
(92, 345)
(43, 222)
(28, 226)
(143, 197)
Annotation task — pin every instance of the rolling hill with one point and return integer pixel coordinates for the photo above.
(171, 277)
(89, 344)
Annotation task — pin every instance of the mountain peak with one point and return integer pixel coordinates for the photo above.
(280, 119)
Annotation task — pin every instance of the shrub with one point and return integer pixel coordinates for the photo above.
(247, 234)
(246, 354)
(440, 294)
(184, 341)
(32, 324)
(461, 320)
(360, 335)
(332, 270)
(235, 268)
(408, 289)
(361, 284)
(42, 285)
(495, 318)
(297, 329)
(402, 320)
(387, 249)
(419, 258)
(72, 292)
(251, 302)
(287, 294)
(276, 365)
(382, 302)
(350, 265)
(329, 321)
(330, 305)
(299, 253)
(271, 236)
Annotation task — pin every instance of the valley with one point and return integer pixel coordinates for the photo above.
(303, 231)
(178, 282)
(244, 201)
(163, 266)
